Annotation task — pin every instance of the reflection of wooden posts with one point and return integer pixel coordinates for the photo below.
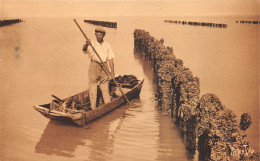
(191, 134)
(177, 87)
(102, 23)
(203, 146)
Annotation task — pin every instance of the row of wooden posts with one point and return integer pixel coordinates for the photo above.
(102, 23)
(248, 22)
(9, 22)
(207, 24)
(206, 124)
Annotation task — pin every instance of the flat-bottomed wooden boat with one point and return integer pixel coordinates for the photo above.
(76, 109)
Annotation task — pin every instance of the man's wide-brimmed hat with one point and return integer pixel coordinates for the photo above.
(101, 30)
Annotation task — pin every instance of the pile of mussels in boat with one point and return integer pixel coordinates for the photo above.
(82, 102)
(126, 81)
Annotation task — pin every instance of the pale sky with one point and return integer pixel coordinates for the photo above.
(78, 8)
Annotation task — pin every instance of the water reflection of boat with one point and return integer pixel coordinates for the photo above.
(59, 140)
(59, 110)
(95, 143)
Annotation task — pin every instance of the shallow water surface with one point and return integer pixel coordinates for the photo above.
(40, 57)
(37, 60)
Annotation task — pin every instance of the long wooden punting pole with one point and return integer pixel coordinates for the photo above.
(103, 66)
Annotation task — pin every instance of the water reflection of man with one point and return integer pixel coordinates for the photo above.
(96, 74)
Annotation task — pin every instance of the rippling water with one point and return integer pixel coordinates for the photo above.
(40, 57)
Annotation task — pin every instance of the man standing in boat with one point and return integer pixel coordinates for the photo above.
(96, 73)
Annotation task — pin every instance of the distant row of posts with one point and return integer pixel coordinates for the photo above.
(207, 24)
(9, 22)
(102, 23)
(248, 22)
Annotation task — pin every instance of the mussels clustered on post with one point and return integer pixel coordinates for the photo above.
(125, 81)
(206, 124)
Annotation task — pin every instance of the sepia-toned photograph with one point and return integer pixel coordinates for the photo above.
(129, 80)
